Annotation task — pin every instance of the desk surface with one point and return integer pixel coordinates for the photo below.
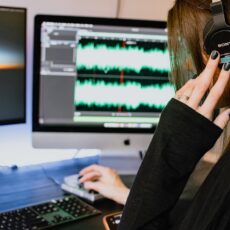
(35, 184)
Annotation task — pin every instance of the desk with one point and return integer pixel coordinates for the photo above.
(35, 184)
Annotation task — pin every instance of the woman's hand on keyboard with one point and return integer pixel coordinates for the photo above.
(106, 181)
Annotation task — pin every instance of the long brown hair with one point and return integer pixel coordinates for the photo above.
(186, 22)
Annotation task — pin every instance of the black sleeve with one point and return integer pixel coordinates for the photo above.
(183, 136)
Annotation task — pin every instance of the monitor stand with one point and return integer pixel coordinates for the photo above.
(127, 165)
(124, 164)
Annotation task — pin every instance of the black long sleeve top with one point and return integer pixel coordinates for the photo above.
(183, 136)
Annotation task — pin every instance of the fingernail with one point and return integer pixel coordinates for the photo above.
(227, 66)
(79, 177)
(214, 54)
(81, 185)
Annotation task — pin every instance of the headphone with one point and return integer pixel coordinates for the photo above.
(216, 33)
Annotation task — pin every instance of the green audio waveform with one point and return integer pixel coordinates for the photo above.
(101, 57)
(130, 95)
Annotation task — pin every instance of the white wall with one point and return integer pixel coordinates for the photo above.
(145, 9)
(15, 140)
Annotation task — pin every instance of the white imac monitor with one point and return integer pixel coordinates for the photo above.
(99, 83)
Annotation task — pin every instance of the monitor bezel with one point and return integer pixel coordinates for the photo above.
(39, 19)
(19, 120)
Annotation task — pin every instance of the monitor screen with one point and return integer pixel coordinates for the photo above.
(12, 65)
(99, 74)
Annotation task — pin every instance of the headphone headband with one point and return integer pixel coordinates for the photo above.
(201, 5)
(218, 14)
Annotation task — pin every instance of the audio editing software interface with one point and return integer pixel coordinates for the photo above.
(103, 76)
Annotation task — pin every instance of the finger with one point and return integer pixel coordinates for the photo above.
(91, 168)
(96, 186)
(90, 177)
(187, 86)
(204, 81)
(217, 91)
(184, 94)
(223, 119)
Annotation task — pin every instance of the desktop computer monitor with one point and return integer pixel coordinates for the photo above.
(98, 83)
(12, 65)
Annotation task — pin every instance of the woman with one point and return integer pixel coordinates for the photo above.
(188, 129)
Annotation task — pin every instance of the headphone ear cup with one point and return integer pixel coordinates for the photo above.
(206, 35)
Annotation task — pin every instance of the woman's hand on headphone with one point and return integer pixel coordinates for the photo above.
(195, 90)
